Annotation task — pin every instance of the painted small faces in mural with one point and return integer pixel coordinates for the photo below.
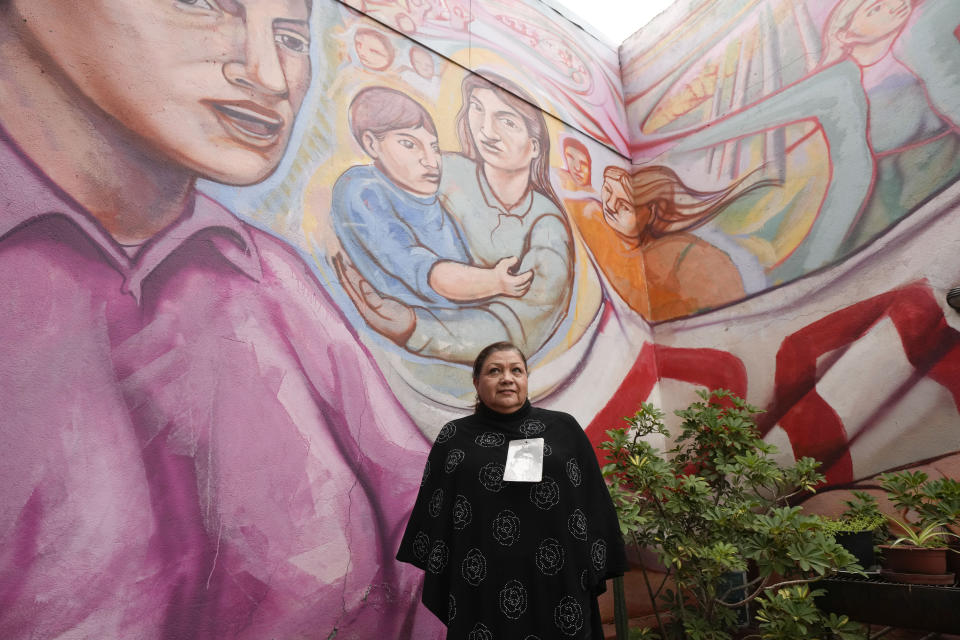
(576, 176)
(374, 49)
(421, 61)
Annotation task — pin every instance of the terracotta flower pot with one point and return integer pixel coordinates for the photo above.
(909, 559)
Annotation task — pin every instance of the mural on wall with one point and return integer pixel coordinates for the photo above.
(436, 206)
(195, 444)
(852, 106)
(243, 276)
(857, 366)
(575, 75)
(831, 128)
(214, 297)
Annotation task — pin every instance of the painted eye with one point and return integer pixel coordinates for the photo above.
(406, 144)
(198, 4)
(293, 41)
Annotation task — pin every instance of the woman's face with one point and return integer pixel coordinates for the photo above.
(499, 132)
(211, 85)
(877, 19)
(618, 209)
(502, 385)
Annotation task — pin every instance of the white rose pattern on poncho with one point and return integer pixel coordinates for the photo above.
(507, 560)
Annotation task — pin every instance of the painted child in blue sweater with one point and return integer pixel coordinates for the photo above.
(389, 220)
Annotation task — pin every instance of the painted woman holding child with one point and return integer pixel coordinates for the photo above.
(491, 258)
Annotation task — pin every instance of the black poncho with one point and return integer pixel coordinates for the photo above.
(513, 560)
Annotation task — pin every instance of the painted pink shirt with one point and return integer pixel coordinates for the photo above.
(192, 442)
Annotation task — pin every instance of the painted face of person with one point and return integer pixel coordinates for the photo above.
(212, 85)
(500, 133)
(409, 157)
(502, 384)
(373, 49)
(877, 19)
(422, 63)
(578, 164)
(618, 209)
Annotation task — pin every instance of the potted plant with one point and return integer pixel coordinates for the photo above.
(860, 528)
(942, 503)
(717, 503)
(856, 535)
(918, 553)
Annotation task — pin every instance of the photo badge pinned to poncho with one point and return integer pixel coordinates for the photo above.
(524, 461)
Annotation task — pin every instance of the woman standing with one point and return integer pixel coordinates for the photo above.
(517, 559)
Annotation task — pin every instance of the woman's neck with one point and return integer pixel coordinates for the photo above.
(521, 412)
(508, 185)
(131, 191)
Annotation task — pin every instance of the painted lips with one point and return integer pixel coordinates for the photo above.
(490, 145)
(250, 122)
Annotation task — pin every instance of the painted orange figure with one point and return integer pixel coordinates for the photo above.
(639, 235)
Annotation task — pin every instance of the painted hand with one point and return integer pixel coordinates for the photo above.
(387, 316)
(512, 285)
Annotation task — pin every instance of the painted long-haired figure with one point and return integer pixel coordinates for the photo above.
(498, 190)
(640, 237)
(670, 206)
(180, 451)
(501, 129)
(388, 218)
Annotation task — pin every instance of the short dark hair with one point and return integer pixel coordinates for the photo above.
(493, 348)
(381, 109)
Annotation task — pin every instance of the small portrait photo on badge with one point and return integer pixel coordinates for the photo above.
(524, 461)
